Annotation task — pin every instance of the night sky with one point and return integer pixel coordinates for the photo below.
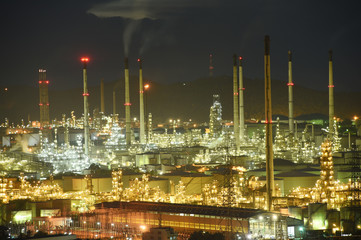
(175, 38)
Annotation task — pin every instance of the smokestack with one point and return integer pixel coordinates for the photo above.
(211, 65)
(44, 99)
(141, 104)
(66, 135)
(86, 107)
(150, 128)
(114, 104)
(114, 107)
(235, 104)
(331, 107)
(56, 139)
(102, 107)
(268, 121)
(127, 103)
(241, 104)
(44, 105)
(290, 95)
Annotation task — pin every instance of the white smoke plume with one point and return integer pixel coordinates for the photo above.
(134, 11)
(152, 9)
(21, 143)
(129, 30)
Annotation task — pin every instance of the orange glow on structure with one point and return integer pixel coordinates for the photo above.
(146, 86)
(85, 59)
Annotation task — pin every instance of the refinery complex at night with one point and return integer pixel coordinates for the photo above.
(147, 170)
(113, 177)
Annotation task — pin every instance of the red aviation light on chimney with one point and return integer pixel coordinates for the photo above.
(47, 82)
(85, 59)
(290, 84)
(40, 82)
(240, 58)
(138, 60)
(127, 104)
(267, 122)
(85, 94)
(331, 86)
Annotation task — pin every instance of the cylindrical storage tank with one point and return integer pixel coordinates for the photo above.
(295, 212)
(317, 216)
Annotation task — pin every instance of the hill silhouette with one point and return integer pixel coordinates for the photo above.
(188, 100)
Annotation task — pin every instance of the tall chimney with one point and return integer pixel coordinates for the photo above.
(141, 104)
(114, 103)
(127, 104)
(86, 107)
(241, 104)
(235, 104)
(150, 128)
(268, 121)
(331, 107)
(66, 135)
(102, 106)
(44, 106)
(211, 65)
(44, 99)
(290, 95)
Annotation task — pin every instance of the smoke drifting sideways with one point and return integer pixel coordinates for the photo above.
(129, 31)
(135, 11)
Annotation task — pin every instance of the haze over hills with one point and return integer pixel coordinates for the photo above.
(188, 100)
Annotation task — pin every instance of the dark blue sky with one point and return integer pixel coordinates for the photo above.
(176, 38)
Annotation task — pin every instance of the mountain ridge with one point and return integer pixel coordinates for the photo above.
(185, 100)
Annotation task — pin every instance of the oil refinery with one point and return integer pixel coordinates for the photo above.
(118, 176)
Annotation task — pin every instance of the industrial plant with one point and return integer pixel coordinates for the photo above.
(124, 176)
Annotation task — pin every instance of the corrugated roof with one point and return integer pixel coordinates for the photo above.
(182, 208)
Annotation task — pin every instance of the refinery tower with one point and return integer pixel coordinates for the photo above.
(43, 99)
